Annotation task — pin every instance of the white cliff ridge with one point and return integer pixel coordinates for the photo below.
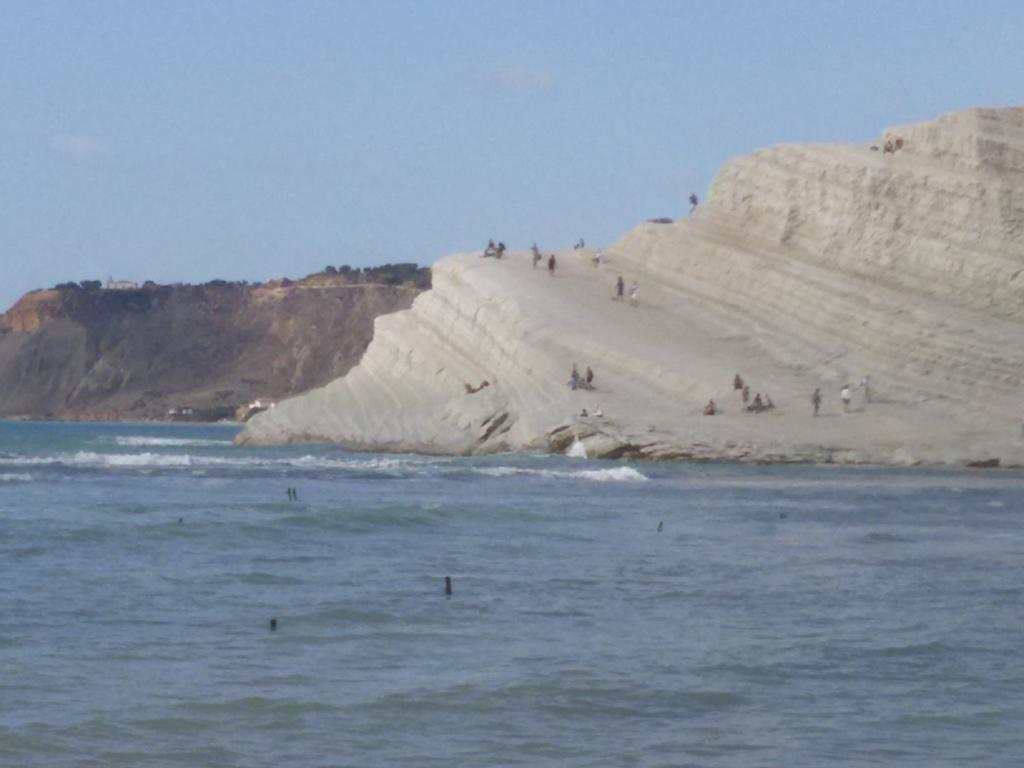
(808, 267)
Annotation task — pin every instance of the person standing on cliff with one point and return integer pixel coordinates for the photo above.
(536, 255)
(620, 288)
(693, 202)
(551, 265)
(816, 400)
(844, 395)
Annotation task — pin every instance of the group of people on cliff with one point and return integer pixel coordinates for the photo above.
(493, 251)
(537, 258)
(578, 381)
(759, 405)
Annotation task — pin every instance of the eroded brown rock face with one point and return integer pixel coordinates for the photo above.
(199, 350)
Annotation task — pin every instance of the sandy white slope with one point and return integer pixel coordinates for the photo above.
(808, 266)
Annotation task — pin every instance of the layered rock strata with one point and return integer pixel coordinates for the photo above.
(807, 267)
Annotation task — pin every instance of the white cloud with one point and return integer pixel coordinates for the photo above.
(79, 147)
(522, 78)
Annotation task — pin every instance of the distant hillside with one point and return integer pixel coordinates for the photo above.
(82, 351)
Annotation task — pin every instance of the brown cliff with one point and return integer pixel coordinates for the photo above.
(189, 351)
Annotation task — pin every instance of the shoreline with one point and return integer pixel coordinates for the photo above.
(603, 445)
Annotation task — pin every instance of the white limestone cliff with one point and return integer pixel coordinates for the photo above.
(808, 266)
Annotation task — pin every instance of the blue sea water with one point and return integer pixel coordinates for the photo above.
(783, 616)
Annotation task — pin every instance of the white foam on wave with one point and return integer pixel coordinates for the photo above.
(142, 441)
(149, 460)
(15, 477)
(610, 475)
(577, 450)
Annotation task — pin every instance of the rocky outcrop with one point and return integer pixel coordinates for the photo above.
(807, 267)
(191, 351)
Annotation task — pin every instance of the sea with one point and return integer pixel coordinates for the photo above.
(602, 613)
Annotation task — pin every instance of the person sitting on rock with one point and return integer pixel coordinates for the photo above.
(888, 149)
(898, 144)
(500, 250)
(737, 382)
(758, 405)
(768, 404)
(583, 413)
(710, 409)
(599, 413)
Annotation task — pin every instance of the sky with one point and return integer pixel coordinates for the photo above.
(186, 141)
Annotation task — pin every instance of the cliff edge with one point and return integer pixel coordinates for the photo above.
(895, 268)
(192, 352)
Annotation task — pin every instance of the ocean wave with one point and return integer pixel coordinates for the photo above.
(15, 477)
(611, 475)
(141, 441)
(149, 460)
(371, 465)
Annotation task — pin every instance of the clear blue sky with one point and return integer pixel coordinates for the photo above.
(184, 141)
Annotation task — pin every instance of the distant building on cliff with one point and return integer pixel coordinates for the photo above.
(121, 285)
